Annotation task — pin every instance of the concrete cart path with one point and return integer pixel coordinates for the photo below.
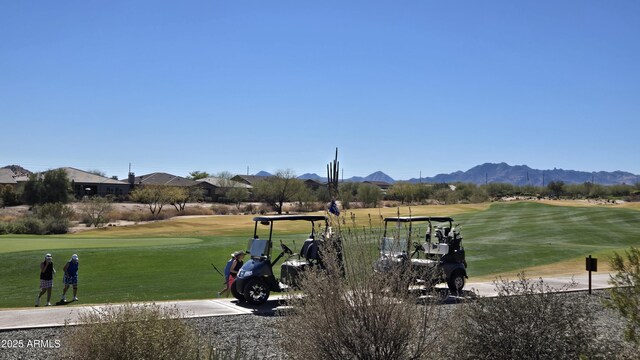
(598, 281)
(52, 316)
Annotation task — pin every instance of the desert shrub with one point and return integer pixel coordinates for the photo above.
(4, 228)
(249, 208)
(527, 320)
(95, 211)
(308, 207)
(625, 295)
(55, 210)
(138, 216)
(348, 311)
(55, 218)
(220, 209)
(27, 225)
(263, 209)
(56, 226)
(131, 332)
(196, 210)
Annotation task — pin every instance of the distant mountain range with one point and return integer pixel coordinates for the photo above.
(504, 173)
(481, 174)
(376, 176)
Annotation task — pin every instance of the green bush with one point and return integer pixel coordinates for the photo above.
(56, 226)
(27, 225)
(625, 293)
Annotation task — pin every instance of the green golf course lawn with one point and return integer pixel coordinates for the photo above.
(172, 259)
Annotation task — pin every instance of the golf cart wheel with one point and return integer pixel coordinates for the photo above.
(256, 292)
(235, 293)
(456, 282)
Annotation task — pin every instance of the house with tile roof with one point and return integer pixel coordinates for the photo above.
(89, 184)
(214, 187)
(7, 177)
(160, 178)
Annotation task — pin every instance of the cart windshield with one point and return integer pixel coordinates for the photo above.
(258, 247)
(392, 246)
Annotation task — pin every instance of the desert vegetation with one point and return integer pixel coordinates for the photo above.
(281, 193)
(350, 312)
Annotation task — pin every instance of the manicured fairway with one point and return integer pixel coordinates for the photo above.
(172, 259)
(545, 239)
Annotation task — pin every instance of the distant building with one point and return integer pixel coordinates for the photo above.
(214, 187)
(159, 178)
(8, 177)
(383, 185)
(313, 184)
(249, 179)
(85, 183)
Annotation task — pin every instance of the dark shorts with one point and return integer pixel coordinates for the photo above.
(70, 280)
(46, 284)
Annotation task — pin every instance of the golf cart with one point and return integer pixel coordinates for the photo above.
(256, 280)
(439, 259)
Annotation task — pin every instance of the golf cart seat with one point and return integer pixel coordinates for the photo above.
(310, 250)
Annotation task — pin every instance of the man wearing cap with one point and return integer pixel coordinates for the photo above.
(71, 277)
(46, 278)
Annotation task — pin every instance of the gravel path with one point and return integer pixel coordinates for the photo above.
(258, 334)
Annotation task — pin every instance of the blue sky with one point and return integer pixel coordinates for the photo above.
(399, 86)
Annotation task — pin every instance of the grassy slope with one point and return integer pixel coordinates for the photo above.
(171, 259)
(546, 239)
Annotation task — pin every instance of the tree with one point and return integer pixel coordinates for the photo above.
(33, 192)
(237, 195)
(154, 196)
(95, 210)
(197, 175)
(8, 196)
(226, 185)
(625, 295)
(179, 196)
(304, 196)
(347, 193)
(53, 187)
(556, 188)
(405, 192)
(278, 189)
(369, 194)
(56, 186)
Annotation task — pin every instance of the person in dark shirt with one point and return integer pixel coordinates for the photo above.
(71, 277)
(46, 278)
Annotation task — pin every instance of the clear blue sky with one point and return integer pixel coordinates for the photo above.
(398, 86)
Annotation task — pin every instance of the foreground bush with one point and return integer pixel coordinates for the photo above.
(131, 332)
(625, 295)
(528, 320)
(350, 312)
